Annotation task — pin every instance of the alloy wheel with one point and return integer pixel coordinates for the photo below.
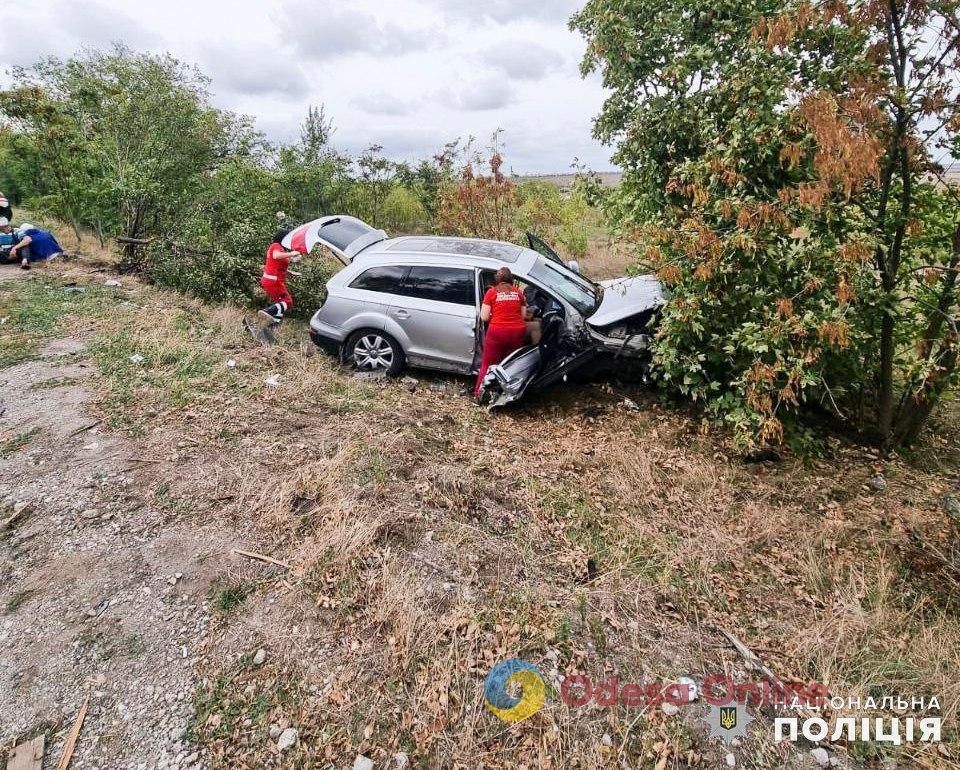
(372, 351)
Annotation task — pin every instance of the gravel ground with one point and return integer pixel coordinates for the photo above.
(102, 592)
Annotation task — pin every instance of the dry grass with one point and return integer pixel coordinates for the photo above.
(607, 257)
(430, 540)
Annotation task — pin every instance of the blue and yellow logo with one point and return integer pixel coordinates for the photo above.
(512, 708)
(728, 717)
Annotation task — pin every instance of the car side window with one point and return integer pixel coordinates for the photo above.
(386, 279)
(442, 284)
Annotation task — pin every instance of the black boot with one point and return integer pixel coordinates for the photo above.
(274, 312)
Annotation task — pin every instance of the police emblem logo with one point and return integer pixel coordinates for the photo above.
(728, 722)
(728, 717)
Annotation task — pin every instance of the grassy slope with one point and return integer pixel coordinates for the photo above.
(429, 540)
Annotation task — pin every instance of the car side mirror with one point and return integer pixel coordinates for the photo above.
(574, 265)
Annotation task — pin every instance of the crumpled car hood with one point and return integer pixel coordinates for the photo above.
(625, 297)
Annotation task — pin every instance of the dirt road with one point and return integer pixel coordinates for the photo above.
(105, 594)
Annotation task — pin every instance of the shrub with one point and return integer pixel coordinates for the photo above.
(403, 212)
(778, 176)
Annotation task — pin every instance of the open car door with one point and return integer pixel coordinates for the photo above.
(543, 248)
(534, 366)
(344, 236)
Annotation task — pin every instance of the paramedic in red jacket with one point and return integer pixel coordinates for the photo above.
(274, 279)
(505, 307)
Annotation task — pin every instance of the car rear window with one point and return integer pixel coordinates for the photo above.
(385, 279)
(443, 284)
(340, 233)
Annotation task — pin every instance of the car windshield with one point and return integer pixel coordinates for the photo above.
(575, 290)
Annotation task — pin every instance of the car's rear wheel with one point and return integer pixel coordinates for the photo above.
(374, 350)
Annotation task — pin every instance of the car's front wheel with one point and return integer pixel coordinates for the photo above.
(374, 350)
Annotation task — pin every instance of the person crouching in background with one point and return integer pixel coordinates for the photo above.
(504, 307)
(8, 239)
(34, 245)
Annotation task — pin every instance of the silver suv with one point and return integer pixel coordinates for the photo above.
(415, 301)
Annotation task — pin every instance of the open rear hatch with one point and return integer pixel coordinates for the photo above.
(344, 236)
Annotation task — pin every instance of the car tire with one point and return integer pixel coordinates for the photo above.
(374, 350)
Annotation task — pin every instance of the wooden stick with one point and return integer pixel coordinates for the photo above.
(261, 557)
(74, 734)
(85, 428)
(14, 517)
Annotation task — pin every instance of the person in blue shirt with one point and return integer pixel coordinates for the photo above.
(35, 245)
(8, 239)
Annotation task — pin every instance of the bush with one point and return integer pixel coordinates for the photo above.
(777, 173)
(403, 212)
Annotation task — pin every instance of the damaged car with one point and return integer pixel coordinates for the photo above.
(415, 301)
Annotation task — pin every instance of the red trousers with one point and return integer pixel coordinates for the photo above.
(277, 291)
(499, 342)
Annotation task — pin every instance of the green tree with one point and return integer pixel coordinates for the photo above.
(126, 140)
(314, 178)
(374, 183)
(780, 163)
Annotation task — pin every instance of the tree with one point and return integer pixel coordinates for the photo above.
(480, 205)
(314, 177)
(126, 139)
(47, 148)
(374, 184)
(781, 163)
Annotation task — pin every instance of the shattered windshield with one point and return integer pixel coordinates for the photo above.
(577, 291)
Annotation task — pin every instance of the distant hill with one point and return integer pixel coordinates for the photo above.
(565, 181)
(612, 178)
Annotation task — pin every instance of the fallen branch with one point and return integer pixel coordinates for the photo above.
(753, 662)
(261, 557)
(750, 657)
(15, 516)
(134, 241)
(71, 743)
(85, 428)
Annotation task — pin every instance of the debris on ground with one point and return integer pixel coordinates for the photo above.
(288, 739)
(28, 755)
(71, 743)
(820, 756)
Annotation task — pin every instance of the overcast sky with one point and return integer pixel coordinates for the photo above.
(407, 74)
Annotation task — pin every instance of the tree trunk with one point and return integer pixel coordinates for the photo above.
(917, 409)
(885, 401)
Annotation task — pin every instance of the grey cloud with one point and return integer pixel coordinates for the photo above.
(325, 30)
(97, 25)
(69, 27)
(402, 143)
(489, 93)
(253, 73)
(523, 61)
(509, 10)
(382, 103)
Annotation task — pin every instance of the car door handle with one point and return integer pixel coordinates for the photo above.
(401, 313)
